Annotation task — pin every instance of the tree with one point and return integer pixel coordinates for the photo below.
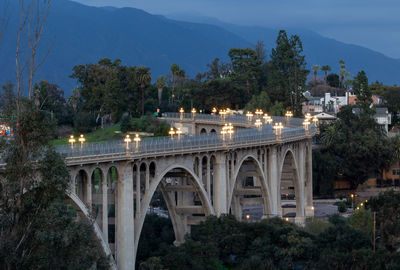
(260, 101)
(315, 68)
(358, 146)
(288, 72)
(245, 65)
(260, 51)
(37, 228)
(175, 71)
(333, 80)
(160, 84)
(326, 69)
(143, 78)
(362, 91)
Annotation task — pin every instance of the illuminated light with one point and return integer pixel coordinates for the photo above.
(259, 112)
(258, 123)
(247, 216)
(267, 119)
(214, 110)
(289, 114)
(171, 132)
(71, 140)
(194, 111)
(127, 140)
(181, 110)
(306, 123)
(287, 219)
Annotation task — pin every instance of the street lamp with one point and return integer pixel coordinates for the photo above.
(230, 130)
(171, 132)
(127, 140)
(179, 132)
(181, 112)
(306, 123)
(214, 111)
(278, 129)
(259, 112)
(247, 216)
(81, 139)
(267, 119)
(193, 113)
(288, 115)
(249, 116)
(308, 116)
(258, 124)
(222, 113)
(72, 141)
(137, 139)
(287, 219)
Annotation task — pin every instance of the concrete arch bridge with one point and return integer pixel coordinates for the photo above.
(253, 173)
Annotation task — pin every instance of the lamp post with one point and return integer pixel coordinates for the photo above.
(278, 129)
(81, 140)
(249, 116)
(137, 139)
(171, 132)
(267, 119)
(288, 115)
(222, 113)
(230, 130)
(179, 132)
(306, 123)
(259, 112)
(315, 121)
(193, 112)
(214, 111)
(258, 124)
(72, 140)
(181, 112)
(127, 140)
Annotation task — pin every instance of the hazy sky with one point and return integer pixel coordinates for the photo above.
(371, 23)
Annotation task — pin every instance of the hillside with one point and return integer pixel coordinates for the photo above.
(80, 34)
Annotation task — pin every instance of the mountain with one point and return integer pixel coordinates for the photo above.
(78, 34)
(319, 50)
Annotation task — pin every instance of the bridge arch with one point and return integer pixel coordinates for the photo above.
(83, 212)
(206, 203)
(265, 191)
(289, 186)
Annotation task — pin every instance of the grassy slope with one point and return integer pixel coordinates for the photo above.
(99, 135)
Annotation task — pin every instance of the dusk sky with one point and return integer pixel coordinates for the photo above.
(374, 24)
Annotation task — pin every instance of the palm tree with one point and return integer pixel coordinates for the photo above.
(315, 68)
(325, 69)
(328, 136)
(160, 83)
(143, 77)
(342, 72)
(175, 71)
(348, 81)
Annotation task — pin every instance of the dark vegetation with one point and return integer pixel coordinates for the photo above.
(225, 243)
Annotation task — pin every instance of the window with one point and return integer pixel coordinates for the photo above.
(394, 172)
(398, 171)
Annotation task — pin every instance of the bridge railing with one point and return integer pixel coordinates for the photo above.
(182, 143)
(233, 118)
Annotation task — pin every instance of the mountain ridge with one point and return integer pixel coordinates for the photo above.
(82, 34)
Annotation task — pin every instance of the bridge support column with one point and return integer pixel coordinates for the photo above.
(105, 209)
(125, 232)
(300, 198)
(274, 178)
(220, 185)
(308, 185)
(208, 177)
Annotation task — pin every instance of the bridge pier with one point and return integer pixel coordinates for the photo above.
(220, 185)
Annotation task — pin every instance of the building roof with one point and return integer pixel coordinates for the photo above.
(325, 116)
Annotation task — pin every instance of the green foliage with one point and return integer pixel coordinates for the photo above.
(324, 172)
(386, 206)
(362, 91)
(156, 234)
(84, 122)
(289, 72)
(126, 124)
(37, 229)
(315, 226)
(342, 207)
(260, 101)
(356, 146)
(362, 220)
(333, 80)
(278, 109)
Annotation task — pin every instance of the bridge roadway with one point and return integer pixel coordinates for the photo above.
(196, 174)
